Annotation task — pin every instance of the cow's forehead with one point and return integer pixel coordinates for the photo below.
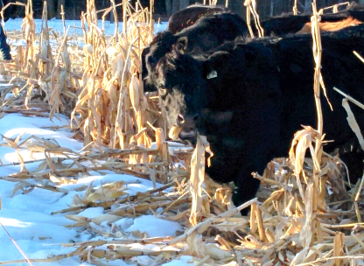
(160, 36)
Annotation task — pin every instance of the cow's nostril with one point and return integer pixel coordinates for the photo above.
(195, 118)
(180, 119)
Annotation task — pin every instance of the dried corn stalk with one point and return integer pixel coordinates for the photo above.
(112, 90)
(293, 226)
(251, 8)
(197, 178)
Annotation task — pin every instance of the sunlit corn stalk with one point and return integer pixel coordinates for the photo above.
(35, 63)
(90, 104)
(295, 9)
(312, 228)
(200, 207)
(338, 248)
(317, 52)
(312, 191)
(39, 60)
(63, 85)
(150, 15)
(251, 9)
(197, 178)
(46, 59)
(248, 18)
(111, 108)
(28, 28)
(135, 105)
(45, 77)
(335, 8)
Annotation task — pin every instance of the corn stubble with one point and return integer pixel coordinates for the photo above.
(98, 86)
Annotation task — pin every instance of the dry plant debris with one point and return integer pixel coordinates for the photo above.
(307, 217)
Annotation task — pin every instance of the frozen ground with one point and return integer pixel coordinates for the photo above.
(26, 216)
(57, 24)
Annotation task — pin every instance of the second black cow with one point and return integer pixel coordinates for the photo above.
(250, 98)
(290, 24)
(207, 33)
(190, 15)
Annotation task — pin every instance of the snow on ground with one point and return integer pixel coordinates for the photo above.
(57, 25)
(27, 216)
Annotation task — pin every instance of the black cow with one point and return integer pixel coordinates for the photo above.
(250, 98)
(207, 33)
(4, 47)
(176, 23)
(188, 16)
(282, 25)
(12, 11)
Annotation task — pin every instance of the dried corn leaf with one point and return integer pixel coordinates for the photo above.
(352, 123)
(197, 178)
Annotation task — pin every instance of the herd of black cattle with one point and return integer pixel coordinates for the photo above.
(250, 95)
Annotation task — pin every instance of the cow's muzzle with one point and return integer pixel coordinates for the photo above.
(185, 128)
(188, 125)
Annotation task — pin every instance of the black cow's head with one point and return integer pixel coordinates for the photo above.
(182, 89)
(162, 44)
(236, 77)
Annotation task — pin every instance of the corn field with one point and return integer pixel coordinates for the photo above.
(99, 87)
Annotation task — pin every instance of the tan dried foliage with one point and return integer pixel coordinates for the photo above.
(307, 217)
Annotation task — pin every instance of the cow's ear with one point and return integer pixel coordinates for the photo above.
(181, 44)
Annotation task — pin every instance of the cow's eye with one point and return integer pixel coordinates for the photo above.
(162, 92)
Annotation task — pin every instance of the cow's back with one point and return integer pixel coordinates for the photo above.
(212, 31)
(190, 15)
(288, 23)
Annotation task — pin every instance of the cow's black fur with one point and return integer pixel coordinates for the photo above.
(285, 24)
(4, 47)
(12, 11)
(250, 98)
(207, 33)
(188, 16)
(176, 23)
